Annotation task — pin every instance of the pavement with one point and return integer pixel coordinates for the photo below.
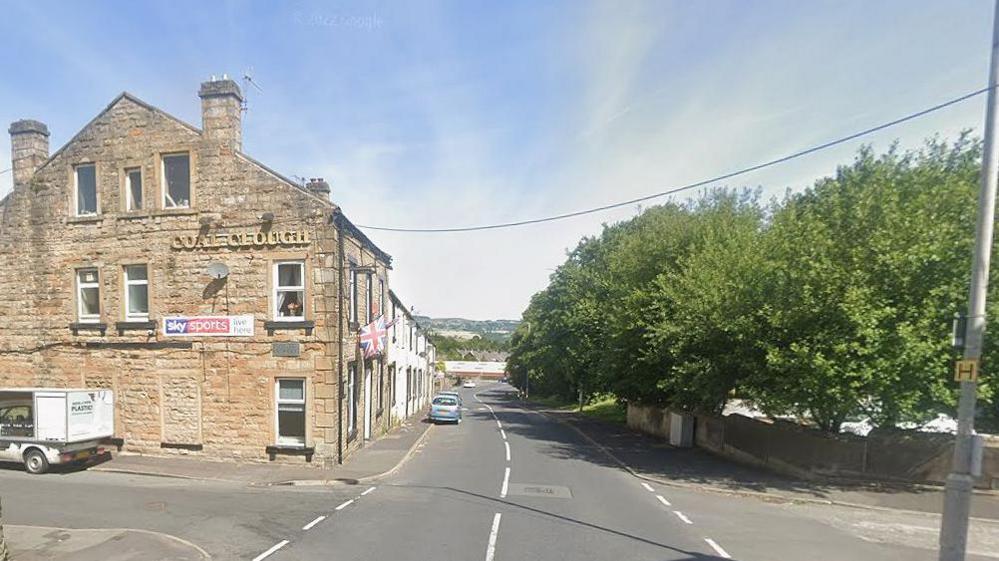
(654, 459)
(376, 459)
(507, 483)
(37, 543)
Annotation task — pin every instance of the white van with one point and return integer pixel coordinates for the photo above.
(44, 426)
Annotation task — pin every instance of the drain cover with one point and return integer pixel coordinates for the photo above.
(539, 490)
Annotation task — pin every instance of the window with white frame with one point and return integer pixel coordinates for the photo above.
(88, 296)
(176, 181)
(369, 299)
(136, 293)
(289, 394)
(289, 290)
(351, 398)
(352, 289)
(381, 296)
(133, 189)
(85, 192)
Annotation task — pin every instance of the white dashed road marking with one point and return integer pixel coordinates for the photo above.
(506, 483)
(491, 548)
(503, 434)
(718, 549)
(664, 501)
(368, 490)
(314, 522)
(648, 487)
(507, 444)
(499, 424)
(345, 504)
(682, 516)
(273, 548)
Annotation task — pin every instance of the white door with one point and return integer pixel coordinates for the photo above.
(367, 403)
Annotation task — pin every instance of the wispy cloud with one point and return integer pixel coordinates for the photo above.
(461, 114)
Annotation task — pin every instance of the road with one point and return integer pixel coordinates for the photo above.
(505, 484)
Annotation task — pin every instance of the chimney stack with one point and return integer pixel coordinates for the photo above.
(29, 148)
(318, 186)
(222, 112)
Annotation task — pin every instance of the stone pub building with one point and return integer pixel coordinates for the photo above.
(218, 299)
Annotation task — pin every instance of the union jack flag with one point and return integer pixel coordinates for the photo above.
(372, 337)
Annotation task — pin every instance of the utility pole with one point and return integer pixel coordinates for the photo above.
(3, 542)
(527, 372)
(960, 482)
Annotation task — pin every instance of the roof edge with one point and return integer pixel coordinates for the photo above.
(119, 97)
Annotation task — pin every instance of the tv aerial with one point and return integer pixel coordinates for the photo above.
(247, 82)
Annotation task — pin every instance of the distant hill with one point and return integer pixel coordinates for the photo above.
(461, 328)
(469, 339)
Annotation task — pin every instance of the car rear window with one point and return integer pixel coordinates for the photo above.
(445, 401)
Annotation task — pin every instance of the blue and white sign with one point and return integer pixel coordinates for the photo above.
(208, 326)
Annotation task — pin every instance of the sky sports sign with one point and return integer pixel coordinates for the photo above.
(208, 326)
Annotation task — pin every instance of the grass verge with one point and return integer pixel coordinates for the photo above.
(603, 407)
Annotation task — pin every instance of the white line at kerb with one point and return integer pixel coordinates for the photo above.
(682, 516)
(368, 490)
(506, 483)
(491, 548)
(314, 522)
(345, 504)
(664, 502)
(718, 549)
(648, 487)
(273, 548)
(507, 444)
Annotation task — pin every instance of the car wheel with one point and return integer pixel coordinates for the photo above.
(35, 462)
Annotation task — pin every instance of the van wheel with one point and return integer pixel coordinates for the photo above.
(35, 462)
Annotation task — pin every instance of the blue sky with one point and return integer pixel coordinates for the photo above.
(433, 114)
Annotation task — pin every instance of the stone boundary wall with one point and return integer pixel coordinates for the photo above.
(891, 455)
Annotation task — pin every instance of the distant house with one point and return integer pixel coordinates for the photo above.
(469, 369)
(471, 355)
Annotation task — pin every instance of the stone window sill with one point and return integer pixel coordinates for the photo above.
(123, 326)
(272, 326)
(77, 327)
(89, 219)
(174, 212)
(307, 451)
(134, 215)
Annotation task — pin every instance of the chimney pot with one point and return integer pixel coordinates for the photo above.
(318, 186)
(29, 148)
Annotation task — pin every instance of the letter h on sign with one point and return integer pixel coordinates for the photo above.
(966, 371)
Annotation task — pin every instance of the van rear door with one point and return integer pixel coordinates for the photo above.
(50, 416)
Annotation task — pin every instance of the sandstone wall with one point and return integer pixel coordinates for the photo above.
(174, 395)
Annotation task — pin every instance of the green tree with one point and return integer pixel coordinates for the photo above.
(866, 269)
(704, 321)
(832, 303)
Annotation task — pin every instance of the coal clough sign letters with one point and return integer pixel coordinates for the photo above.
(241, 239)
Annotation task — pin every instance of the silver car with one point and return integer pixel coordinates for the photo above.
(445, 408)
